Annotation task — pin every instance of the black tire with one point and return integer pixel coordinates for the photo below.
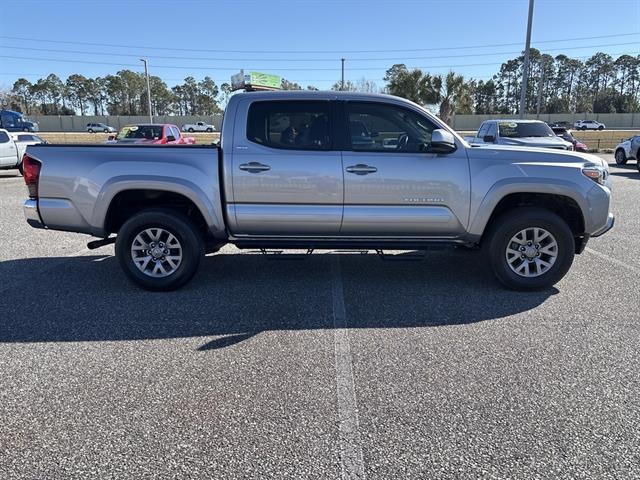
(502, 230)
(600, 127)
(191, 130)
(90, 130)
(210, 130)
(178, 225)
(106, 130)
(620, 157)
(583, 128)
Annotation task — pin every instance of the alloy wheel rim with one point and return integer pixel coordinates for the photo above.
(156, 252)
(531, 252)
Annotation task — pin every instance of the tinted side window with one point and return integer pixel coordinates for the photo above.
(8, 120)
(25, 138)
(175, 132)
(290, 125)
(387, 128)
(4, 138)
(483, 130)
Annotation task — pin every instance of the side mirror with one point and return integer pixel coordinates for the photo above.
(488, 139)
(171, 138)
(442, 141)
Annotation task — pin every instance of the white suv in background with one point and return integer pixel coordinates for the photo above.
(628, 149)
(589, 125)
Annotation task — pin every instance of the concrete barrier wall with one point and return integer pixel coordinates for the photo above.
(611, 120)
(54, 123)
(72, 123)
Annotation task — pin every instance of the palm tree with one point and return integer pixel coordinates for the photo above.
(453, 93)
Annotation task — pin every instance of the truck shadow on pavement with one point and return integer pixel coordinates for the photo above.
(236, 296)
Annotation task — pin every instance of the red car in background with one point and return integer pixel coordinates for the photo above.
(152, 134)
(566, 134)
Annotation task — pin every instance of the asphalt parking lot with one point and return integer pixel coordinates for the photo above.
(339, 364)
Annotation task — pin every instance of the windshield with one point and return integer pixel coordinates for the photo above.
(524, 129)
(146, 132)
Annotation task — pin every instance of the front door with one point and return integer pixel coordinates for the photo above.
(8, 152)
(287, 177)
(393, 186)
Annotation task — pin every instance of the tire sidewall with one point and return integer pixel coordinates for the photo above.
(181, 227)
(623, 160)
(513, 222)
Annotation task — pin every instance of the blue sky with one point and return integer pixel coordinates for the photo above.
(302, 41)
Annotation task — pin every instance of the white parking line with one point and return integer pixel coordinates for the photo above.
(613, 260)
(351, 460)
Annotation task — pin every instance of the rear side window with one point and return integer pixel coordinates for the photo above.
(25, 138)
(4, 138)
(290, 125)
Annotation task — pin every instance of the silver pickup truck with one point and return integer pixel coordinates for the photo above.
(323, 170)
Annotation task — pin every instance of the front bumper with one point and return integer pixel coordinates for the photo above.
(30, 209)
(611, 220)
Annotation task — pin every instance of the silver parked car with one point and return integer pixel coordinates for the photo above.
(100, 127)
(323, 170)
(519, 133)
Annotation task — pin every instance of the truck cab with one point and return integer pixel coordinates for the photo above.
(16, 122)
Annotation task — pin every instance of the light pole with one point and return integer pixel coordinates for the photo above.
(525, 66)
(146, 74)
(342, 81)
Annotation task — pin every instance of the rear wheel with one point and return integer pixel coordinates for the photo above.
(106, 130)
(601, 127)
(159, 250)
(620, 157)
(90, 130)
(191, 130)
(529, 248)
(210, 130)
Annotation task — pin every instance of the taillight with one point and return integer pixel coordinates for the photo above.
(31, 174)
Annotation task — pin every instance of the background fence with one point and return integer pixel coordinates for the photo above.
(611, 120)
(76, 123)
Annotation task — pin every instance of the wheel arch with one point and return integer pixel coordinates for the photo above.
(121, 199)
(560, 200)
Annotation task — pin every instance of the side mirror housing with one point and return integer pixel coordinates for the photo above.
(488, 139)
(442, 141)
(171, 138)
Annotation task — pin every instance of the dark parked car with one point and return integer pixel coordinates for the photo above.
(565, 134)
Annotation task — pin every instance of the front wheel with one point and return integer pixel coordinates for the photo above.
(90, 130)
(159, 250)
(600, 127)
(191, 130)
(620, 157)
(210, 130)
(529, 248)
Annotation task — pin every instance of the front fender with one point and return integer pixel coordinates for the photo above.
(508, 186)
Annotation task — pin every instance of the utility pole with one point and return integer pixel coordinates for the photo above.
(342, 81)
(540, 87)
(525, 66)
(146, 74)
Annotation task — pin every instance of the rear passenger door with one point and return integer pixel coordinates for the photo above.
(286, 172)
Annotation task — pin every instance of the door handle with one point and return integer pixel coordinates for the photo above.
(254, 167)
(361, 169)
